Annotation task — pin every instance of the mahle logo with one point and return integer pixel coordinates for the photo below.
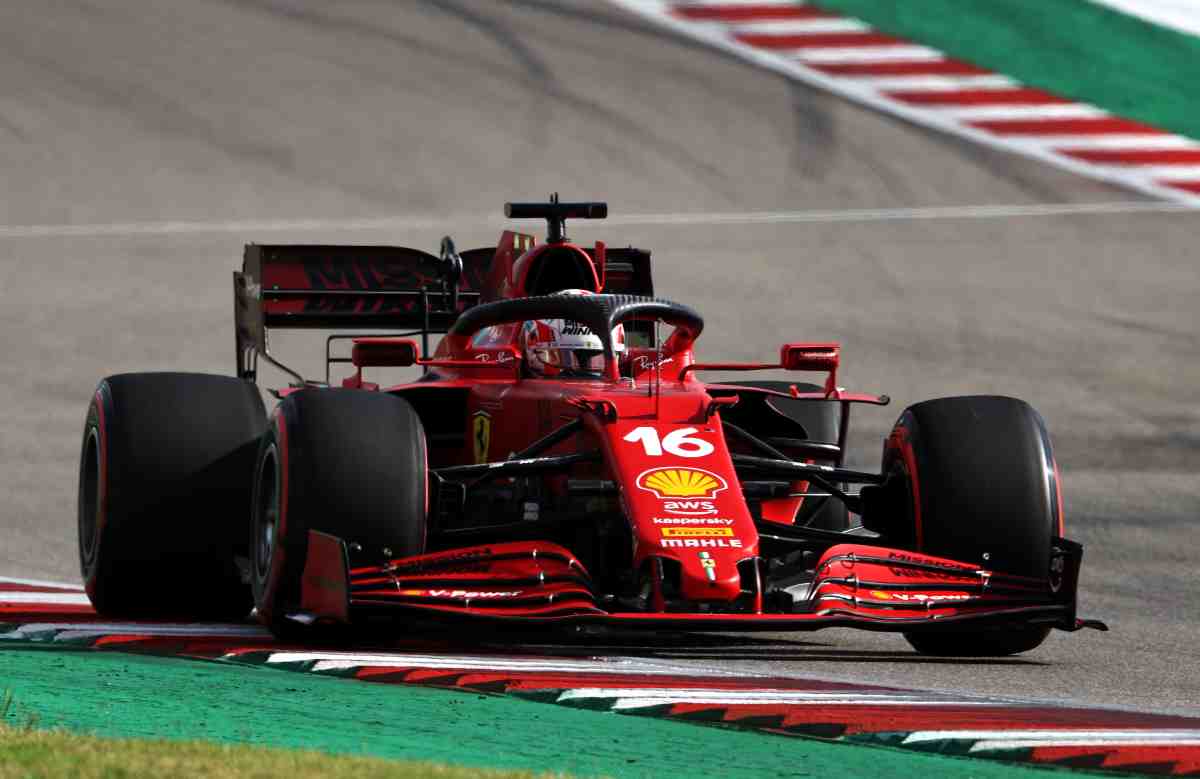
(681, 483)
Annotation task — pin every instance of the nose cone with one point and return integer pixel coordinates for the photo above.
(709, 576)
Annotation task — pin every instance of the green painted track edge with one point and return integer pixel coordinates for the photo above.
(1074, 49)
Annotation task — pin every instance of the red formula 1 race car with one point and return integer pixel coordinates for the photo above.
(558, 461)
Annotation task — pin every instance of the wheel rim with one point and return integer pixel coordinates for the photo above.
(266, 514)
(89, 500)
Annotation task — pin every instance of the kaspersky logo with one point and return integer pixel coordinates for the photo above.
(685, 491)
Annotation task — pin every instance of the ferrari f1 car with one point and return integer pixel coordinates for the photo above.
(618, 488)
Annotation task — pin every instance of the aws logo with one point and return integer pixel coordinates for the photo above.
(691, 508)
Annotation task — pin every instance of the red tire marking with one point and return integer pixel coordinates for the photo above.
(1100, 125)
(816, 40)
(425, 471)
(1024, 96)
(899, 439)
(282, 454)
(1058, 492)
(946, 67)
(1135, 156)
(750, 13)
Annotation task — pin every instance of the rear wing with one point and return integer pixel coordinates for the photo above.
(329, 287)
(338, 287)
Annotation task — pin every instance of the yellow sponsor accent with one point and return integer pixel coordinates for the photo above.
(697, 532)
(681, 483)
(481, 435)
(881, 595)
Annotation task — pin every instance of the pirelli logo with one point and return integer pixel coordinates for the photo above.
(697, 532)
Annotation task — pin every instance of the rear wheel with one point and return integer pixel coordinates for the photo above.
(164, 494)
(980, 485)
(344, 462)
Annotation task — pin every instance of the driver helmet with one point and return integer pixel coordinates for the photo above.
(562, 347)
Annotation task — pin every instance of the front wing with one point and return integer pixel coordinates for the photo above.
(855, 585)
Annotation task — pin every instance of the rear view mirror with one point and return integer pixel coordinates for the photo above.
(384, 353)
(813, 357)
(810, 357)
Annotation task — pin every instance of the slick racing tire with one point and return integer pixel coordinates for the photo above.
(164, 494)
(820, 420)
(349, 463)
(981, 488)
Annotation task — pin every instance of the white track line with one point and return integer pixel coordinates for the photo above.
(837, 55)
(37, 582)
(221, 226)
(1115, 141)
(933, 83)
(55, 598)
(910, 214)
(992, 740)
(72, 630)
(1101, 741)
(638, 698)
(974, 113)
(706, 3)
(921, 736)
(326, 661)
(799, 26)
(459, 663)
(620, 704)
(1188, 172)
(249, 227)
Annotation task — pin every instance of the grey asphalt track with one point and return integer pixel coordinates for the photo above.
(212, 112)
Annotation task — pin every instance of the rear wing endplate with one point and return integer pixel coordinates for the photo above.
(338, 287)
(393, 288)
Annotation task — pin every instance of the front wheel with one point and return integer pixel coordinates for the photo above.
(982, 488)
(344, 462)
(164, 494)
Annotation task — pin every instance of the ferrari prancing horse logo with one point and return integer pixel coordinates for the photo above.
(481, 435)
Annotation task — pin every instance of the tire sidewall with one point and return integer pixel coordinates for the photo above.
(1037, 519)
(93, 508)
(276, 587)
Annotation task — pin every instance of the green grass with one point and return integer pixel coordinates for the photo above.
(27, 752)
(1073, 48)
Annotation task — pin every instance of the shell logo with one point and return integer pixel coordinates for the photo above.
(681, 483)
